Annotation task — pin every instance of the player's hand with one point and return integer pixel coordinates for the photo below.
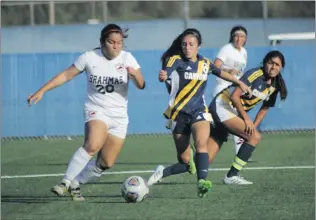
(250, 127)
(35, 98)
(163, 76)
(246, 89)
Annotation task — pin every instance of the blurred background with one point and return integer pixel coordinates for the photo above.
(40, 39)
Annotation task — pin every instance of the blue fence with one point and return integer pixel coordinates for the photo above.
(61, 110)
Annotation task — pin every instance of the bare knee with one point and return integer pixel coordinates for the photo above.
(92, 147)
(105, 164)
(255, 138)
(201, 145)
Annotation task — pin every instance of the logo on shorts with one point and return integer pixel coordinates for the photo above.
(119, 67)
(92, 114)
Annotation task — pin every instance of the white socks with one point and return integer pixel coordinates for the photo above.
(90, 173)
(77, 163)
(237, 143)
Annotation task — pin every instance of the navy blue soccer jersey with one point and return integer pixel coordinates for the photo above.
(186, 85)
(261, 90)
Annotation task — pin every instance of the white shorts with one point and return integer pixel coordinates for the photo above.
(116, 126)
(220, 87)
(222, 110)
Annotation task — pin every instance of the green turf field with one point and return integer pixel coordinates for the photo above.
(287, 192)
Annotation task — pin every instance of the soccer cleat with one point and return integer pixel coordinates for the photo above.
(60, 189)
(236, 180)
(192, 168)
(203, 187)
(76, 194)
(157, 175)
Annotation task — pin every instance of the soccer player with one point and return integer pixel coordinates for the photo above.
(185, 73)
(109, 69)
(232, 58)
(229, 109)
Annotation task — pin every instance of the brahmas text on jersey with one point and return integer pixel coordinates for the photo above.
(107, 80)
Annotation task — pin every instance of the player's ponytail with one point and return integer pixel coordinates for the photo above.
(175, 48)
(281, 86)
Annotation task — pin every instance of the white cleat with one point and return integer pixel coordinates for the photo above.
(157, 176)
(236, 180)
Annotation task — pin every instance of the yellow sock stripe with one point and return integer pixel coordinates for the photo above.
(237, 166)
(255, 75)
(239, 161)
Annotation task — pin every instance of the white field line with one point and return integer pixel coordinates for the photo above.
(149, 171)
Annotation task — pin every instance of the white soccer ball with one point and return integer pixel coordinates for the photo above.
(134, 189)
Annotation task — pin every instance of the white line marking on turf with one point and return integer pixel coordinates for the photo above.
(149, 171)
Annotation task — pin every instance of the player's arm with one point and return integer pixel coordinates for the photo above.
(165, 73)
(235, 97)
(58, 80)
(137, 77)
(260, 115)
(219, 63)
(133, 70)
(265, 108)
(226, 76)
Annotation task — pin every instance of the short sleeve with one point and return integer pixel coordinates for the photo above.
(222, 54)
(131, 61)
(272, 99)
(172, 64)
(251, 75)
(81, 62)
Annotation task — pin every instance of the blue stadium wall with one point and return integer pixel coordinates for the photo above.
(153, 34)
(61, 110)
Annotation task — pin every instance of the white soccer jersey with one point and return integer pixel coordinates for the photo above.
(107, 81)
(232, 59)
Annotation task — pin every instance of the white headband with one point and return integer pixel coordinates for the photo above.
(239, 32)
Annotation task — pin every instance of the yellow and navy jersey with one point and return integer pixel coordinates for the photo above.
(186, 85)
(261, 90)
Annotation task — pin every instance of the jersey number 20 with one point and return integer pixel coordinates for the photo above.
(104, 89)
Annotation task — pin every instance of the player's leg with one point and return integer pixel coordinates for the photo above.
(200, 133)
(94, 169)
(106, 156)
(95, 134)
(183, 153)
(237, 126)
(237, 143)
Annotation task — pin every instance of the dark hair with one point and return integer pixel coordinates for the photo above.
(175, 48)
(234, 29)
(280, 83)
(110, 28)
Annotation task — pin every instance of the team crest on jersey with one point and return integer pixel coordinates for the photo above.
(119, 67)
